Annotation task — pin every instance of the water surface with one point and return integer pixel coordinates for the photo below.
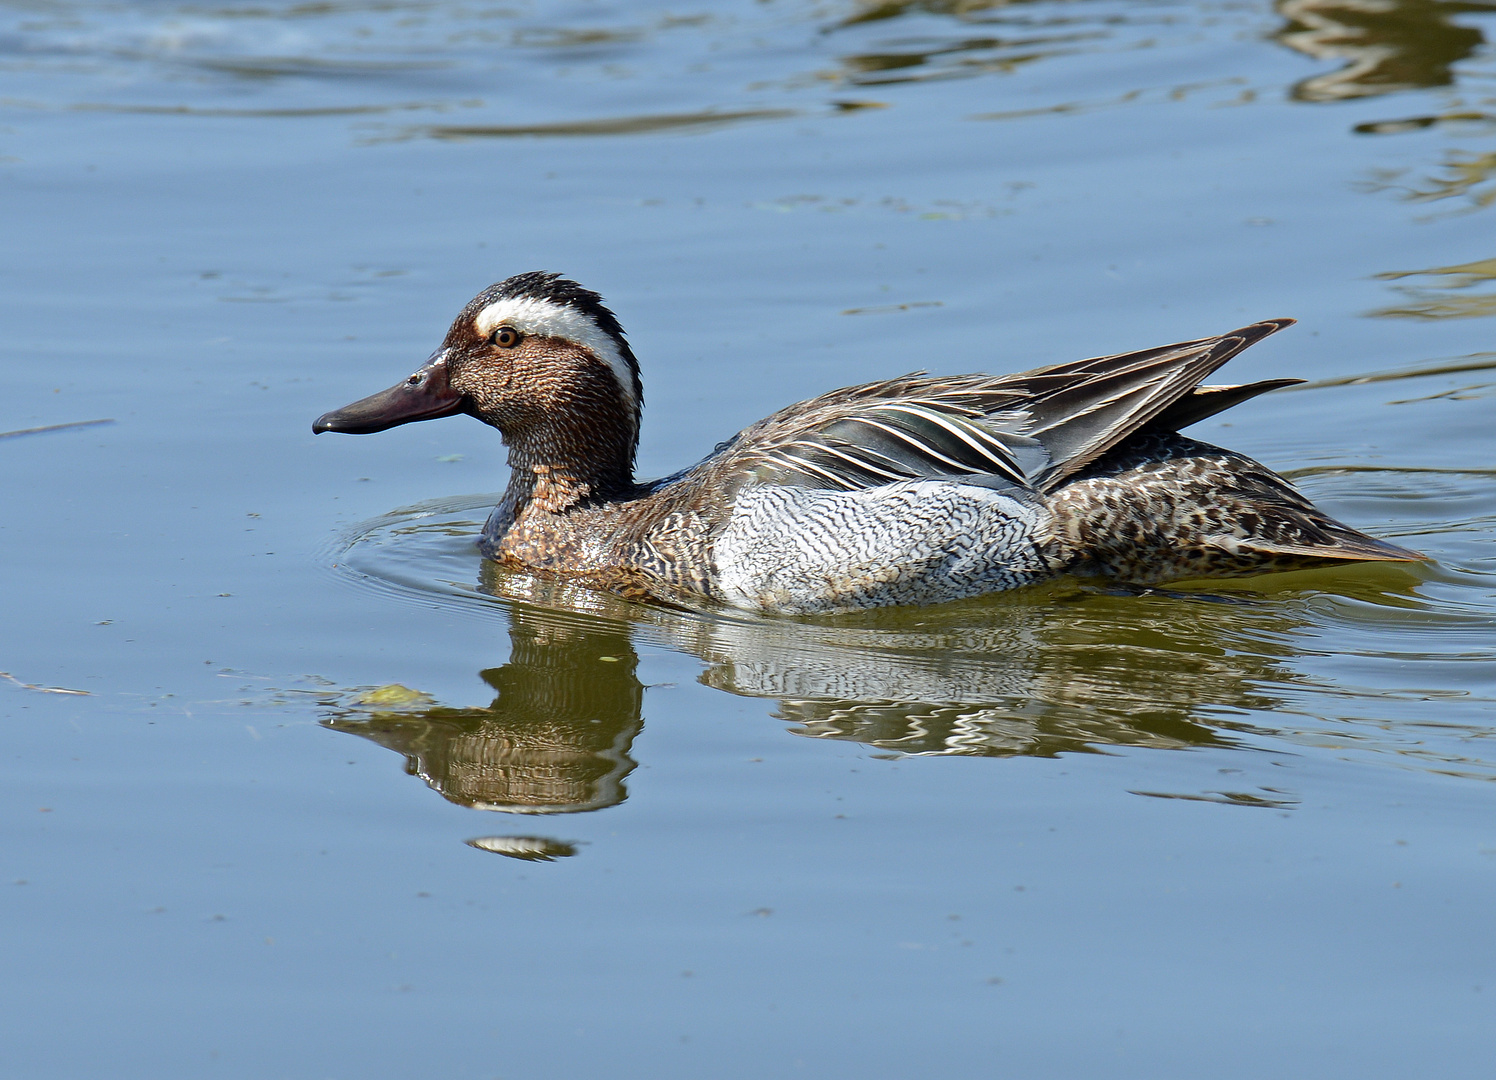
(296, 786)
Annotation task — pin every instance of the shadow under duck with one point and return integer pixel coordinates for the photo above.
(912, 490)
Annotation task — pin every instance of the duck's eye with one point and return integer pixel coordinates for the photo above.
(505, 337)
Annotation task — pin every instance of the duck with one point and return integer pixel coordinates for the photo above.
(913, 490)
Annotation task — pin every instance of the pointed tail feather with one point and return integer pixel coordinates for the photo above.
(1349, 545)
(1108, 398)
(1206, 401)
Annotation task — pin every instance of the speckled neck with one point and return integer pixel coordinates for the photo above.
(579, 461)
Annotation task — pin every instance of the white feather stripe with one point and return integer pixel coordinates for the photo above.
(861, 463)
(788, 461)
(993, 450)
(545, 318)
(916, 444)
(975, 428)
(869, 456)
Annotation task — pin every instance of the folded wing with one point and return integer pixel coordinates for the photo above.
(1031, 430)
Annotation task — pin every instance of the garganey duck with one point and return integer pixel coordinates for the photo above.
(912, 490)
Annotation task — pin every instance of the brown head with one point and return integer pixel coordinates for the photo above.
(541, 359)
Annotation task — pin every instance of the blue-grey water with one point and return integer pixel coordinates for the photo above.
(294, 786)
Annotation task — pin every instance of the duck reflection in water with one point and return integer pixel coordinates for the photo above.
(1060, 672)
(556, 738)
(1382, 47)
(997, 678)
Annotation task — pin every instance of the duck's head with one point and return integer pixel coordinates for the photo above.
(535, 356)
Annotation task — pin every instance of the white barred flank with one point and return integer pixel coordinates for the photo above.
(535, 317)
(804, 550)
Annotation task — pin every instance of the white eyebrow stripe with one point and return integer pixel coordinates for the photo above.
(543, 318)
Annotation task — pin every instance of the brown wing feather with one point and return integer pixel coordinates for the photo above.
(1054, 421)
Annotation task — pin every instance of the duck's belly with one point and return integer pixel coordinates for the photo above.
(802, 550)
